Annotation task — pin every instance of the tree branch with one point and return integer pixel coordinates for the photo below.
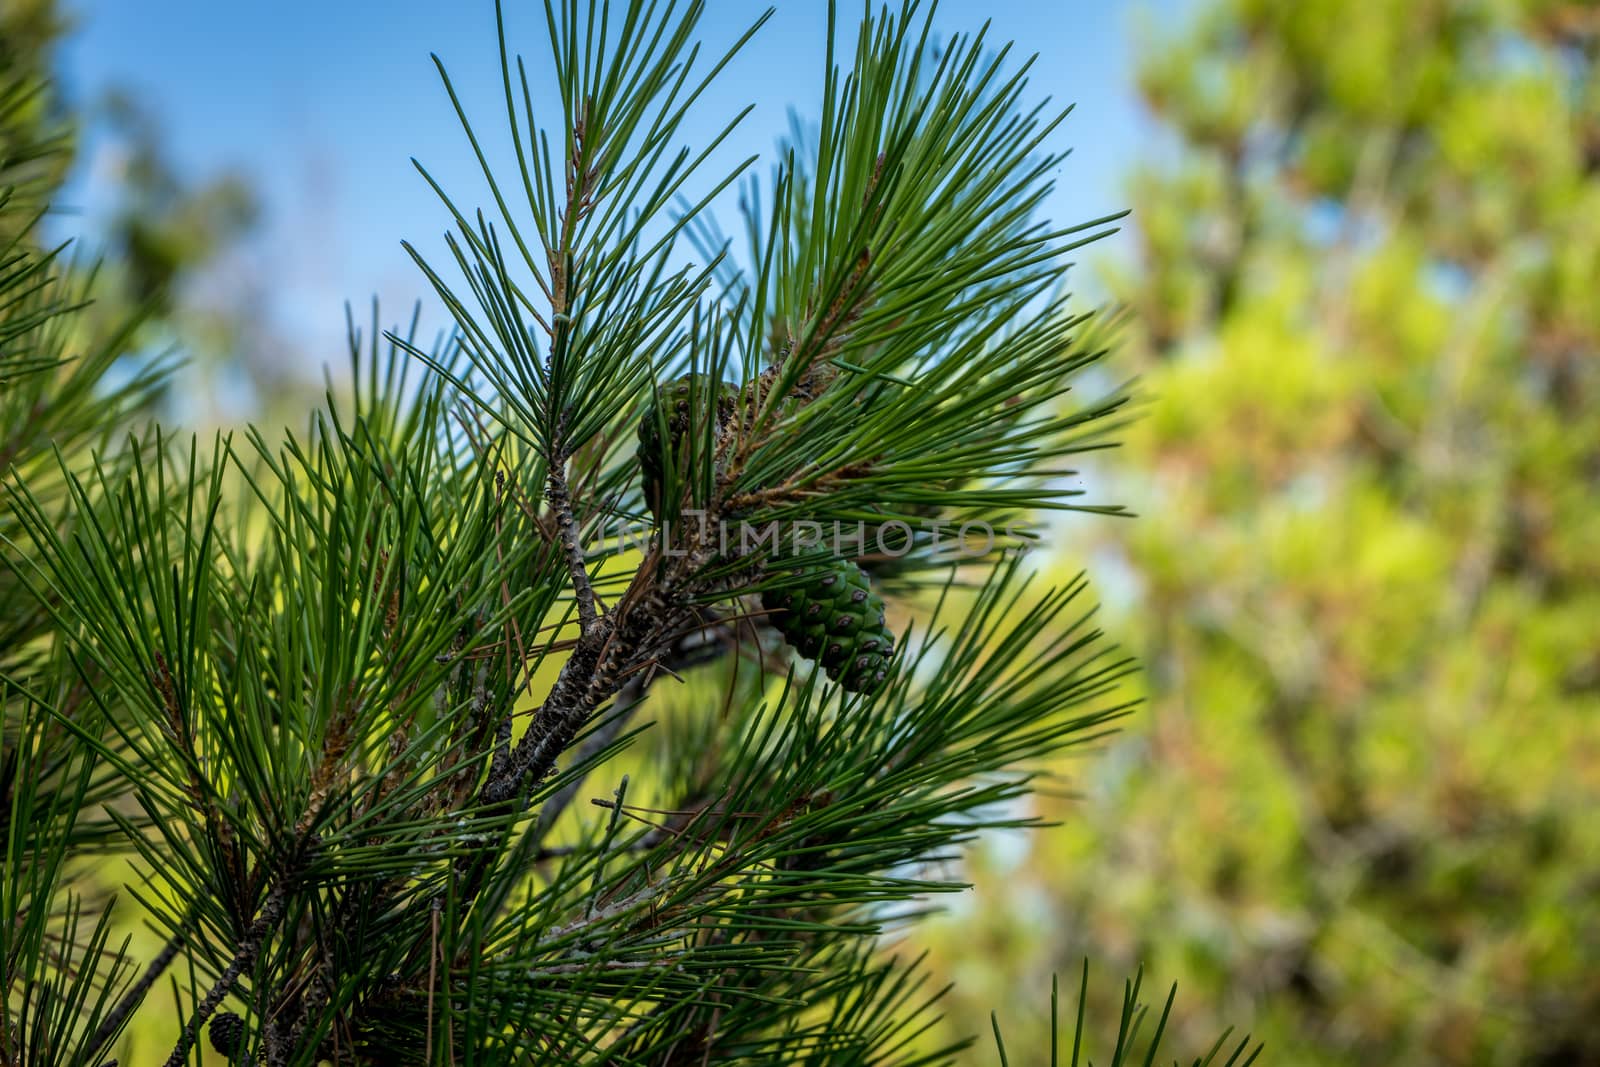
(249, 948)
(561, 506)
(629, 697)
(133, 997)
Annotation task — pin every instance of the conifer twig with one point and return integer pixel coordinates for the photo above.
(134, 996)
(561, 505)
(249, 948)
(629, 697)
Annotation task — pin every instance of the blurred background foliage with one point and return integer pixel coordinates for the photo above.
(171, 254)
(1359, 812)
(148, 297)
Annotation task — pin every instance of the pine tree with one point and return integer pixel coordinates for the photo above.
(338, 692)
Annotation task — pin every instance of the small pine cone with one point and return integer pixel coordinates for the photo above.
(227, 1034)
(676, 397)
(830, 614)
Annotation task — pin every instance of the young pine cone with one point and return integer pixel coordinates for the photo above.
(674, 405)
(830, 614)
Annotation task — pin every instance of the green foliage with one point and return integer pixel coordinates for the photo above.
(1365, 579)
(60, 966)
(1130, 1033)
(332, 694)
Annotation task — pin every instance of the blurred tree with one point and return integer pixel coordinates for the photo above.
(164, 223)
(1360, 816)
(34, 133)
(175, 244)
(180, 245)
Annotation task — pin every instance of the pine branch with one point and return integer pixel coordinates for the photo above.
(113, 1022)
(561, 506)
(244, 957)
(592, 674)
(629, 697)
(342, 655)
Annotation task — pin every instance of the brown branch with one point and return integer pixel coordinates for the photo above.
(249, 948)
(657, 600)
(581, 182)
(134, 996)
(567, 528)
(629, 697)
(791, 489)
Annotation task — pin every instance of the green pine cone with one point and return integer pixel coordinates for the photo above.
(830, 614)
(676, 397)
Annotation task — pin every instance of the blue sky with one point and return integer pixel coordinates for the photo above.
(322, 104)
